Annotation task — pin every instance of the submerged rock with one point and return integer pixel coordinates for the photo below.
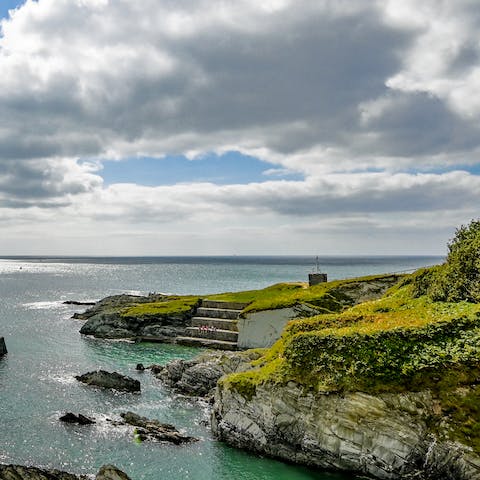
(147, 429)
(3, 347)
(110, 472)
(80, 419)
(113, 380)
(199, 376)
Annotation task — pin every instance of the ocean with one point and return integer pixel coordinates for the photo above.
(46, 350)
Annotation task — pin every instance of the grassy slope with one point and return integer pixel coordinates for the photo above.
(326, 297)
(170, 306)
(393, 344)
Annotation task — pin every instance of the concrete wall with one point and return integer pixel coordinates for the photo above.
(3, 347)
(263, 329)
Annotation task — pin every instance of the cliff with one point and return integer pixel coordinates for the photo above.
(387, 388)
(386, 436)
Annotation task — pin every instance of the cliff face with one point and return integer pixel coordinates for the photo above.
(386, 436)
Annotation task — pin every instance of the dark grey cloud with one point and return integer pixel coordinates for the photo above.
(303, 64)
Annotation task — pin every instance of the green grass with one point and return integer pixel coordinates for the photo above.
(325, 297)
(170, 306)
(396, 343)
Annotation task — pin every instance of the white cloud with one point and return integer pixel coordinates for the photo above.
(348, 93)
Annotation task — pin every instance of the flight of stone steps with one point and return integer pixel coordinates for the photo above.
(214, 325)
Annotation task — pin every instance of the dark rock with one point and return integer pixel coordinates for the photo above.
(156, 369)
(112, 380)
(75, 302)
(140, 367)
(19, 472)
(3, 347)
(70, 417)
(110, 472)
(147, 429)
(199, 376)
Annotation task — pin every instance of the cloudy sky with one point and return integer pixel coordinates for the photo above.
(170, 127)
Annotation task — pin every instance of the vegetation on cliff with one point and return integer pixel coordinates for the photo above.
(423, 334)
(325, 297)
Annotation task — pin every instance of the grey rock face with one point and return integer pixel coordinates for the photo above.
(104, 320)
(3, 347)
(110, 472)
(147, 429)
(199, 376)
(112, 380)
(19, 472)
(384, 436)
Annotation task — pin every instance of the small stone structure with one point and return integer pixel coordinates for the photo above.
(3, 347)
(316, 278)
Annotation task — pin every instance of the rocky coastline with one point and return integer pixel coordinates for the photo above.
(380, 383)
(20, 472)
(105, 320)
(385, 436)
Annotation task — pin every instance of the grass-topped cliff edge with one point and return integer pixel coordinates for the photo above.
(424, 333)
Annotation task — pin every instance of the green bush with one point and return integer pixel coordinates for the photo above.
(459, 278)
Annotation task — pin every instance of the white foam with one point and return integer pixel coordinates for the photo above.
(44, 305)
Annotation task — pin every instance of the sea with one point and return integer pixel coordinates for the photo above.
(46, 351)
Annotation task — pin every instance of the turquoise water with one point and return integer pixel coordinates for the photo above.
(46, 351)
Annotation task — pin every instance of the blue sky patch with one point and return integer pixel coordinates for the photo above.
(229, 168)
(6, 5)
(472, 169)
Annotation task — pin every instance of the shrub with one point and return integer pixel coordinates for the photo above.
(459, 278)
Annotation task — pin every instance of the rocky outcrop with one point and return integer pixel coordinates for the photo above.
(199, 376)
(19, 472)
(77, 303)
(114, 302)
(79, 419)
(111, 380)
(386, 436)
(3, 347)
(105, 320)
(147, 429)
(110, 472)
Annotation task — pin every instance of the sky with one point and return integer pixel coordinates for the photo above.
(254, 127)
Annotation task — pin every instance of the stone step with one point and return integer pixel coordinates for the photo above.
(226, 335)
(206, 343)
(218, 313)
(223, 305)
(220, 323)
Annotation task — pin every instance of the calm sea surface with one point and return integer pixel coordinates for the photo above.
(46, 351)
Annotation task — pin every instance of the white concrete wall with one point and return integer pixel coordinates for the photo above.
(263, 329)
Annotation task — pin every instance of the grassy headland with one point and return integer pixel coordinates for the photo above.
(423, 334)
